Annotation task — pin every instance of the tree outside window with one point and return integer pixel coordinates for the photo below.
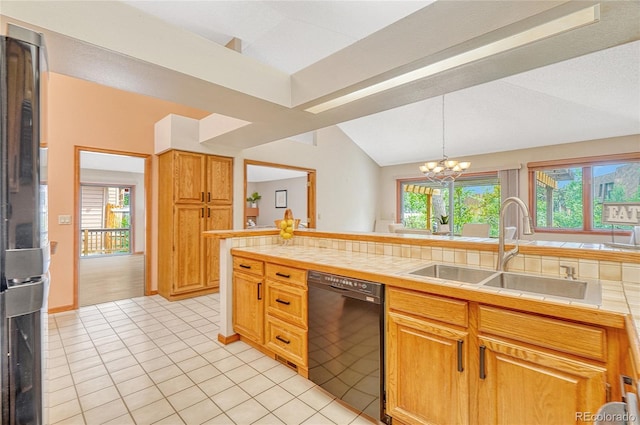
(476, 200)
(569, 194)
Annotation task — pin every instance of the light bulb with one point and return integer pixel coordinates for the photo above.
(464, 165)
(450, 163)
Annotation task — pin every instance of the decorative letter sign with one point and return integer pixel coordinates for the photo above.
(627, 213)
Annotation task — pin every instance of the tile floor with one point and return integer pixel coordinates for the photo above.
(149, 361)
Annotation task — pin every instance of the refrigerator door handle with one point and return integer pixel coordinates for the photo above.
(25, 263)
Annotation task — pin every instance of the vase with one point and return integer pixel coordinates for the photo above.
(444, 228)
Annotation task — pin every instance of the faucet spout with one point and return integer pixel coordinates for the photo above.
(527, 229)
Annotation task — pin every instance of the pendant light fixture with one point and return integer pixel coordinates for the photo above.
(445, 170)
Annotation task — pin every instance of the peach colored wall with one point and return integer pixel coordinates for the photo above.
(81, 113)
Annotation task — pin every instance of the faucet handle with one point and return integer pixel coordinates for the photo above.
(570, 271)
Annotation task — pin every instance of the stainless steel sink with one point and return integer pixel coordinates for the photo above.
(578, 290)
(455, 273)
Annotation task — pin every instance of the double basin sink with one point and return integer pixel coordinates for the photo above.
(589, 292)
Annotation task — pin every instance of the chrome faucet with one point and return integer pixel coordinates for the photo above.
(527, 229)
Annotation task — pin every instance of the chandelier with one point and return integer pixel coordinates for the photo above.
(446, 170)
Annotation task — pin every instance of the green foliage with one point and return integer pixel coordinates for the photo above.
(469, 207)
(255, 196)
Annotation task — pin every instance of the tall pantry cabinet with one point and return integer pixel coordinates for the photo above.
(195, 194)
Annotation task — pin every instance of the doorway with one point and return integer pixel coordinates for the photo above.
(280, 187)
(111, 233)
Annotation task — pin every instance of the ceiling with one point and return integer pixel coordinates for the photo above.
(590, 97)
(580, 85)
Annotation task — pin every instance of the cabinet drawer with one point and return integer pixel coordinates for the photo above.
(445, 310)
(287, 340)
(248, 265)
(287, 302)
(573, 338)
(286, 274)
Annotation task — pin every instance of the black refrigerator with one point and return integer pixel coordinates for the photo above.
(24, 246)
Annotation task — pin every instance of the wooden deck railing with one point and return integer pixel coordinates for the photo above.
(106, 241)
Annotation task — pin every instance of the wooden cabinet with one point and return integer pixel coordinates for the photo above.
(248, 300)
(538, 370)
(275, 319)
(522, 384)
(195, 194)
(286, 320)
(427, 376)
(453, 361)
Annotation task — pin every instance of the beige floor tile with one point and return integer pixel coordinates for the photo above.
(64, 410)
(297, 385)
(247, 412)
(316, 398)
(200, 412)
(153, 412)
(121, 363)
(230, 397)
(171, 420)
(192, 363)
(279, 373)
(133, 385)
(215, 385)
(182, 355)
(157, 363)
(220, 420)
(58, 384)
(143, 397)
(294, 412)
(62, 396)
(318, 419)
(256, 385)
(127, 373)
(74, 420)
(105, 412)
(185, 398)
(338, 413)
(241, 373)
(274, 397)
(173, 385)
(269, 419)
(98, 398)
(89, 373)
(161, 375)
(121, 420)
(95, 384)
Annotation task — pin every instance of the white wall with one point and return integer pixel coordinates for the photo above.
(510, 159)
(296, 199)
(136, 180)
(347, 180)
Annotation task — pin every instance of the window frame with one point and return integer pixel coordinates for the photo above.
(586, 163)
(415, 180)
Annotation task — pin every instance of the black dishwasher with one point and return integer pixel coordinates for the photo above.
(346, 340)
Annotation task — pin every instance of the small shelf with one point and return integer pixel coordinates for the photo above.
(252, 212)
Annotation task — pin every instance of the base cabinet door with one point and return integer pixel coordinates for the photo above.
(248, 306)
(427, 380)
(520, 385)
(188, 248)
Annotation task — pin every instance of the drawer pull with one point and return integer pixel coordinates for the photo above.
(283, 275)
(279, 338)
(278, 300)
(245, 266)
(483, 374)
(460, 365)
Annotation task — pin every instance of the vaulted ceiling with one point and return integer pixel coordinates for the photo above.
(579, 85)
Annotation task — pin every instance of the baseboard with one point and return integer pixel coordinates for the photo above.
(61, 309)
(228, 339)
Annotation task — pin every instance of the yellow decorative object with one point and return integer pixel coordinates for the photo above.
(286, 226)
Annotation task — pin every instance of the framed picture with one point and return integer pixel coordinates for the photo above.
(281, 199)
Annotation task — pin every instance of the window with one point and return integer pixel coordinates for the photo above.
(105, 220)
(568, 195)
(476, 200)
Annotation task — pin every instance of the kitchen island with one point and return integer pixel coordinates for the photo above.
(574, 347)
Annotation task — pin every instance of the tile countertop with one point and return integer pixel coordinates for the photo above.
(618, 301)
